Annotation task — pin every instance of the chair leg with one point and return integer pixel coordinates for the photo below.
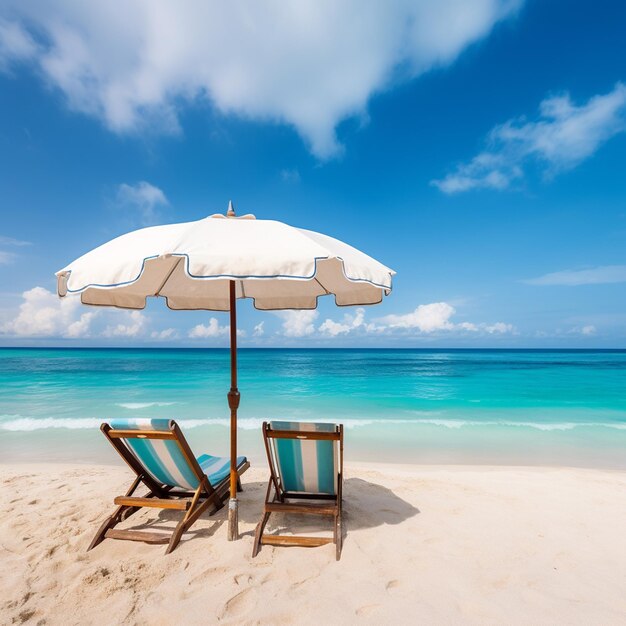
(119, 515)
(109, 522)
(176, 535)
(211, 498)
(214, 497)
(339, 518)
(338, 536)
(239, 487)
(193, 513)
(258, 534)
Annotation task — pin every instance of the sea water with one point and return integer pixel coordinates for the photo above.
(406, 406)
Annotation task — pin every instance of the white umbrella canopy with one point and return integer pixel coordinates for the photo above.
(210, 263)
(192, 264)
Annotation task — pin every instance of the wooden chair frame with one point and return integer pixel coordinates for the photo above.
(194, 503)
(307, 503)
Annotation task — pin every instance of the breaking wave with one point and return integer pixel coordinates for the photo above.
(143, 405)
(18, 423)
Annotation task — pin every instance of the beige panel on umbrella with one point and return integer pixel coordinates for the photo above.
(191, 264)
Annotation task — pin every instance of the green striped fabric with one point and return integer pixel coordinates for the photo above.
(306, 465)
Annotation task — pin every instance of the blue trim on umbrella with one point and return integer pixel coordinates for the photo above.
(232, 276)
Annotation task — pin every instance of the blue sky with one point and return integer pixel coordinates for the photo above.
(477, 148)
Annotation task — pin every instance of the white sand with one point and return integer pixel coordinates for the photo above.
(424, 545)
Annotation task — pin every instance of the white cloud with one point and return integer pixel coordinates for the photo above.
(604, 274)
(259, 331)
(144, 197)
(437, 316)
(470, 326)
(350, 323)
(562, 137)
(308, 64)
(297, 323)
(334, 328)
(133, 326)
(499, 328)
(589, 330)
(586, 330)
(43, 314)
(164, 335)
(81, 327)
(426, 318)
(212, 329)
(15, 44)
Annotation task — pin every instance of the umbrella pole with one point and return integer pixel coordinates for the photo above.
(233, 403)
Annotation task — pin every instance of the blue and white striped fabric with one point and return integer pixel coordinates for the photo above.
(307, 465)
(164, 459)
(217, 468)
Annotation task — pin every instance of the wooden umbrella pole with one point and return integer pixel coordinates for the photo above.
(233, 403)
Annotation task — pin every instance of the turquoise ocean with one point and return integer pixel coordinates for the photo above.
(515, 407)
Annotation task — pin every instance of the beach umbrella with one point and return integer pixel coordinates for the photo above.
(211, 263)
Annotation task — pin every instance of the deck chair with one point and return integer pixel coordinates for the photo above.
(158, 453)
(306, 475)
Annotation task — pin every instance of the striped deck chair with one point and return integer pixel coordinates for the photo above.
(158, 453)
(306, 474)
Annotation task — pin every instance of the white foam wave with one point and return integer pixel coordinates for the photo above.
(248, 423)
(142, 405)
(30, 423)
(18, 423)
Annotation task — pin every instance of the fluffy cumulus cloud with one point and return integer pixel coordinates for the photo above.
(437, 317)
(167, 334)
(605, 274)
(133, 324)
(82, 326)
(43, 314)
(297, 323)
(426, 318)
(499, 328)
(350, 323)
(308, 64)
(564, 135)
(205, 331)
(142, 197)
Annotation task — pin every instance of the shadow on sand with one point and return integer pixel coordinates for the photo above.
(365, 505)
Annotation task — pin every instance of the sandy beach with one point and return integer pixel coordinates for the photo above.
(423, 544)
(376, 249)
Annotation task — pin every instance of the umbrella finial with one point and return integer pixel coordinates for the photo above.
(231, 213)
